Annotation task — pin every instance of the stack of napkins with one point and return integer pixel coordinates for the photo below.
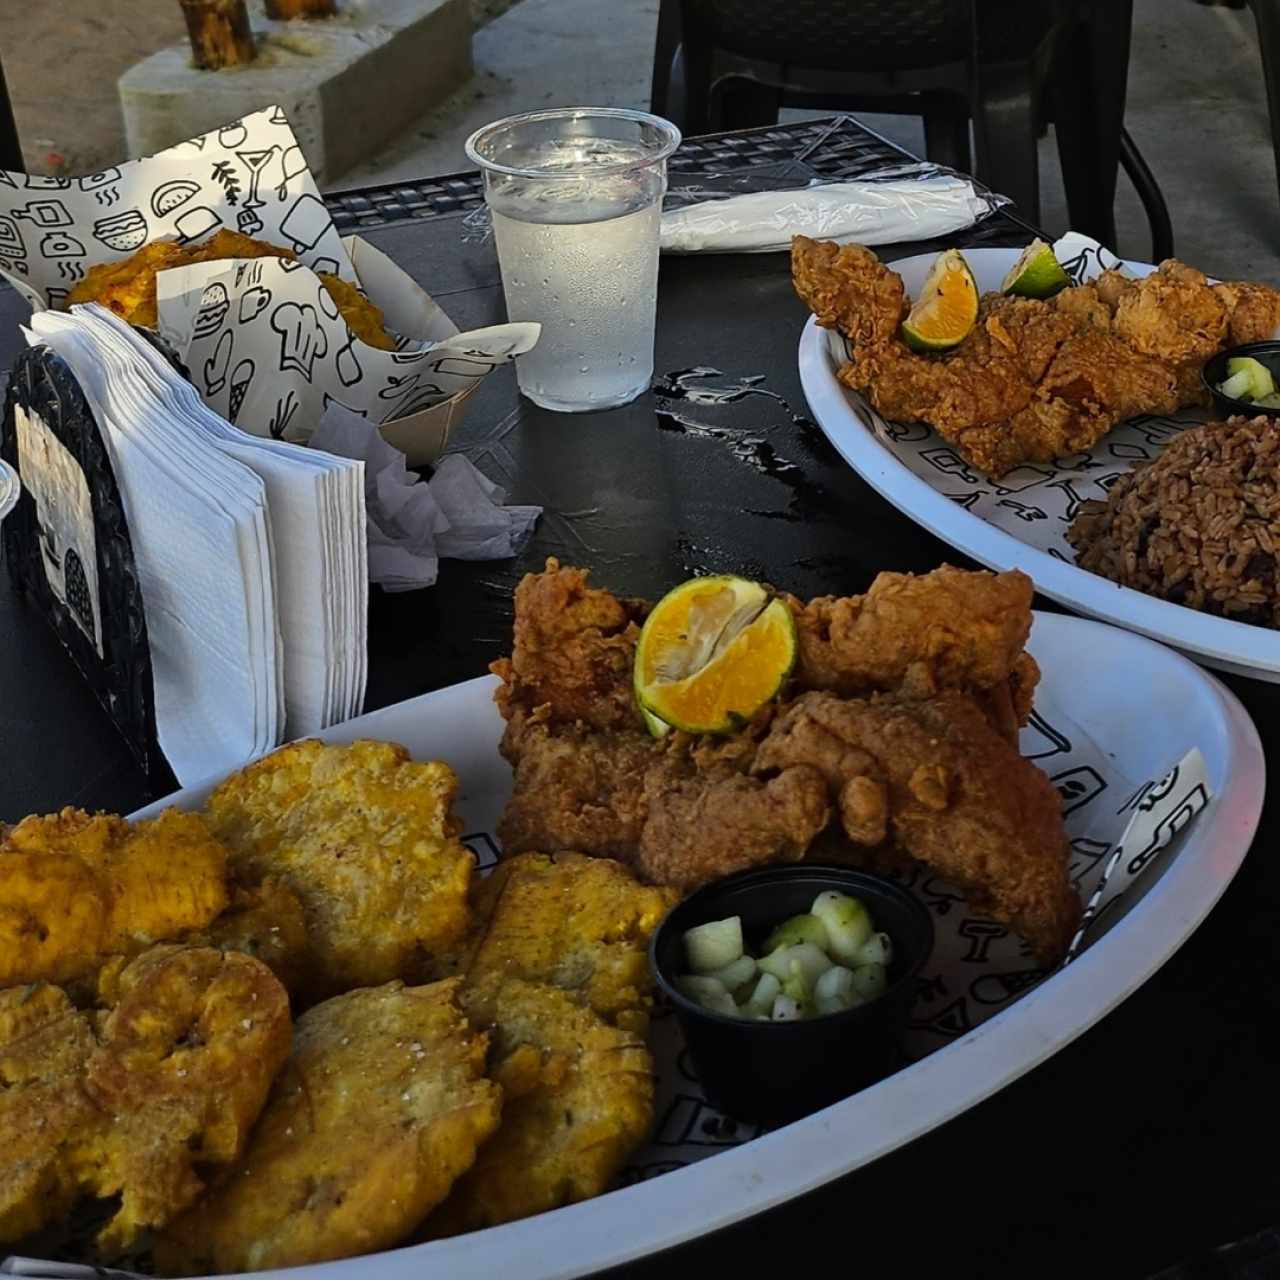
(250, 555)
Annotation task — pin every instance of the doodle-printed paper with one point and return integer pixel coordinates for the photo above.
(1035, 502)
(269, 350)
(248, 176)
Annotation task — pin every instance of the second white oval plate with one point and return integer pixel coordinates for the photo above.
(1231, 646)
(1142, 702)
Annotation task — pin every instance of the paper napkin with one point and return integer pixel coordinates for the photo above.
(459, 513)
(880, 212)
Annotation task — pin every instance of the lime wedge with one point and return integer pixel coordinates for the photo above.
(947, 307)
(711, 654)
(1036, 274)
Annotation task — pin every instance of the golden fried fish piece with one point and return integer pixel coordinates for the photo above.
(76, 888)
(578, 1102)
(128, 287)
(574, 922)
(45, 1043)
(382, 1105)
(167, 1078)
(366, 839)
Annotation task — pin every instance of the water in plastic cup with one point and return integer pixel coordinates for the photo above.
(575, 196)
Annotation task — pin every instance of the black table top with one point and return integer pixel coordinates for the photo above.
(1122, 1154)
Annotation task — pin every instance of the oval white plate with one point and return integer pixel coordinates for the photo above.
(10, 489)
(1142, 701)
(1230, 646)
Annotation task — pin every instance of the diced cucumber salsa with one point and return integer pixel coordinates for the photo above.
(829, 959)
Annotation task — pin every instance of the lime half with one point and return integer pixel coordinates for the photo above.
(711, 654)
(1036, 274)
(947, 307)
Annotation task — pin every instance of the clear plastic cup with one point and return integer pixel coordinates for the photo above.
(575, 196)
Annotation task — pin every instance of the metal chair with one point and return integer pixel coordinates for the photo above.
(1000, 63)
(10, 151)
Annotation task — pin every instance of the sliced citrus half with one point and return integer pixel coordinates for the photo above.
(711, 654)
(1037, 273)
(947, 307)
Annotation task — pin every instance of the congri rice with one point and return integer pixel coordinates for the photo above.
(1199, 525)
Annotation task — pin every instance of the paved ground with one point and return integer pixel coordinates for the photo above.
(1197, 104)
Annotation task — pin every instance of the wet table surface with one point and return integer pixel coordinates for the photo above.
(1123, 1155)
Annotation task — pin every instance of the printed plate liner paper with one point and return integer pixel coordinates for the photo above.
(276, 376)
(269, 351)
(978, 968)
(1035, 502)
(249, 176)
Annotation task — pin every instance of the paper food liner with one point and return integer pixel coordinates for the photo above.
(250, 176)
(1037, 501)
(269, 350)
(1119, 828)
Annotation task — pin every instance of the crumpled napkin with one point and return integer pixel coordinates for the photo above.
(880, 212)
(459, 513)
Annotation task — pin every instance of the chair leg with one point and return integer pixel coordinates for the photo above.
(1087, 91)
(747, 104)
(1266, 13)
(946, 131)
(1152, 198)
(1004, 131)
(665, 44)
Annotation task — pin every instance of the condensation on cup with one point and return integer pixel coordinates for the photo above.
(575, 195)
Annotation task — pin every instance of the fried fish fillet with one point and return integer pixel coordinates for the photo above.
(1035, 379)
(947, 646)
(136, 1101)
(76, 888)
(569, 921)
(366, 839)
(382, 1105)
(578, 1100)
(128, 287)
(937, 781)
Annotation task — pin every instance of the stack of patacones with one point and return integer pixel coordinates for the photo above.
(465, 1052)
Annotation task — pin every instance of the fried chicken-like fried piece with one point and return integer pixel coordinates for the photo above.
(848, 288)
(1254, 310)
(948, 629)
(573, 922)
(128, 287)
(171, 1078)
(76, 888)
(578, 1102)
(1034, 379)
(945, 787)
(366, 839)
(573, 653)
(680, 812)
(382, 1105)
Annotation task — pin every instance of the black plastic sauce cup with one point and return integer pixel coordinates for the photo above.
(774, 1072)
(1215, 372)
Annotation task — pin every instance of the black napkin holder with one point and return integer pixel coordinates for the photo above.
(68, 548)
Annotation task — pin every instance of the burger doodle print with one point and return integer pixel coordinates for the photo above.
(249, 176)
